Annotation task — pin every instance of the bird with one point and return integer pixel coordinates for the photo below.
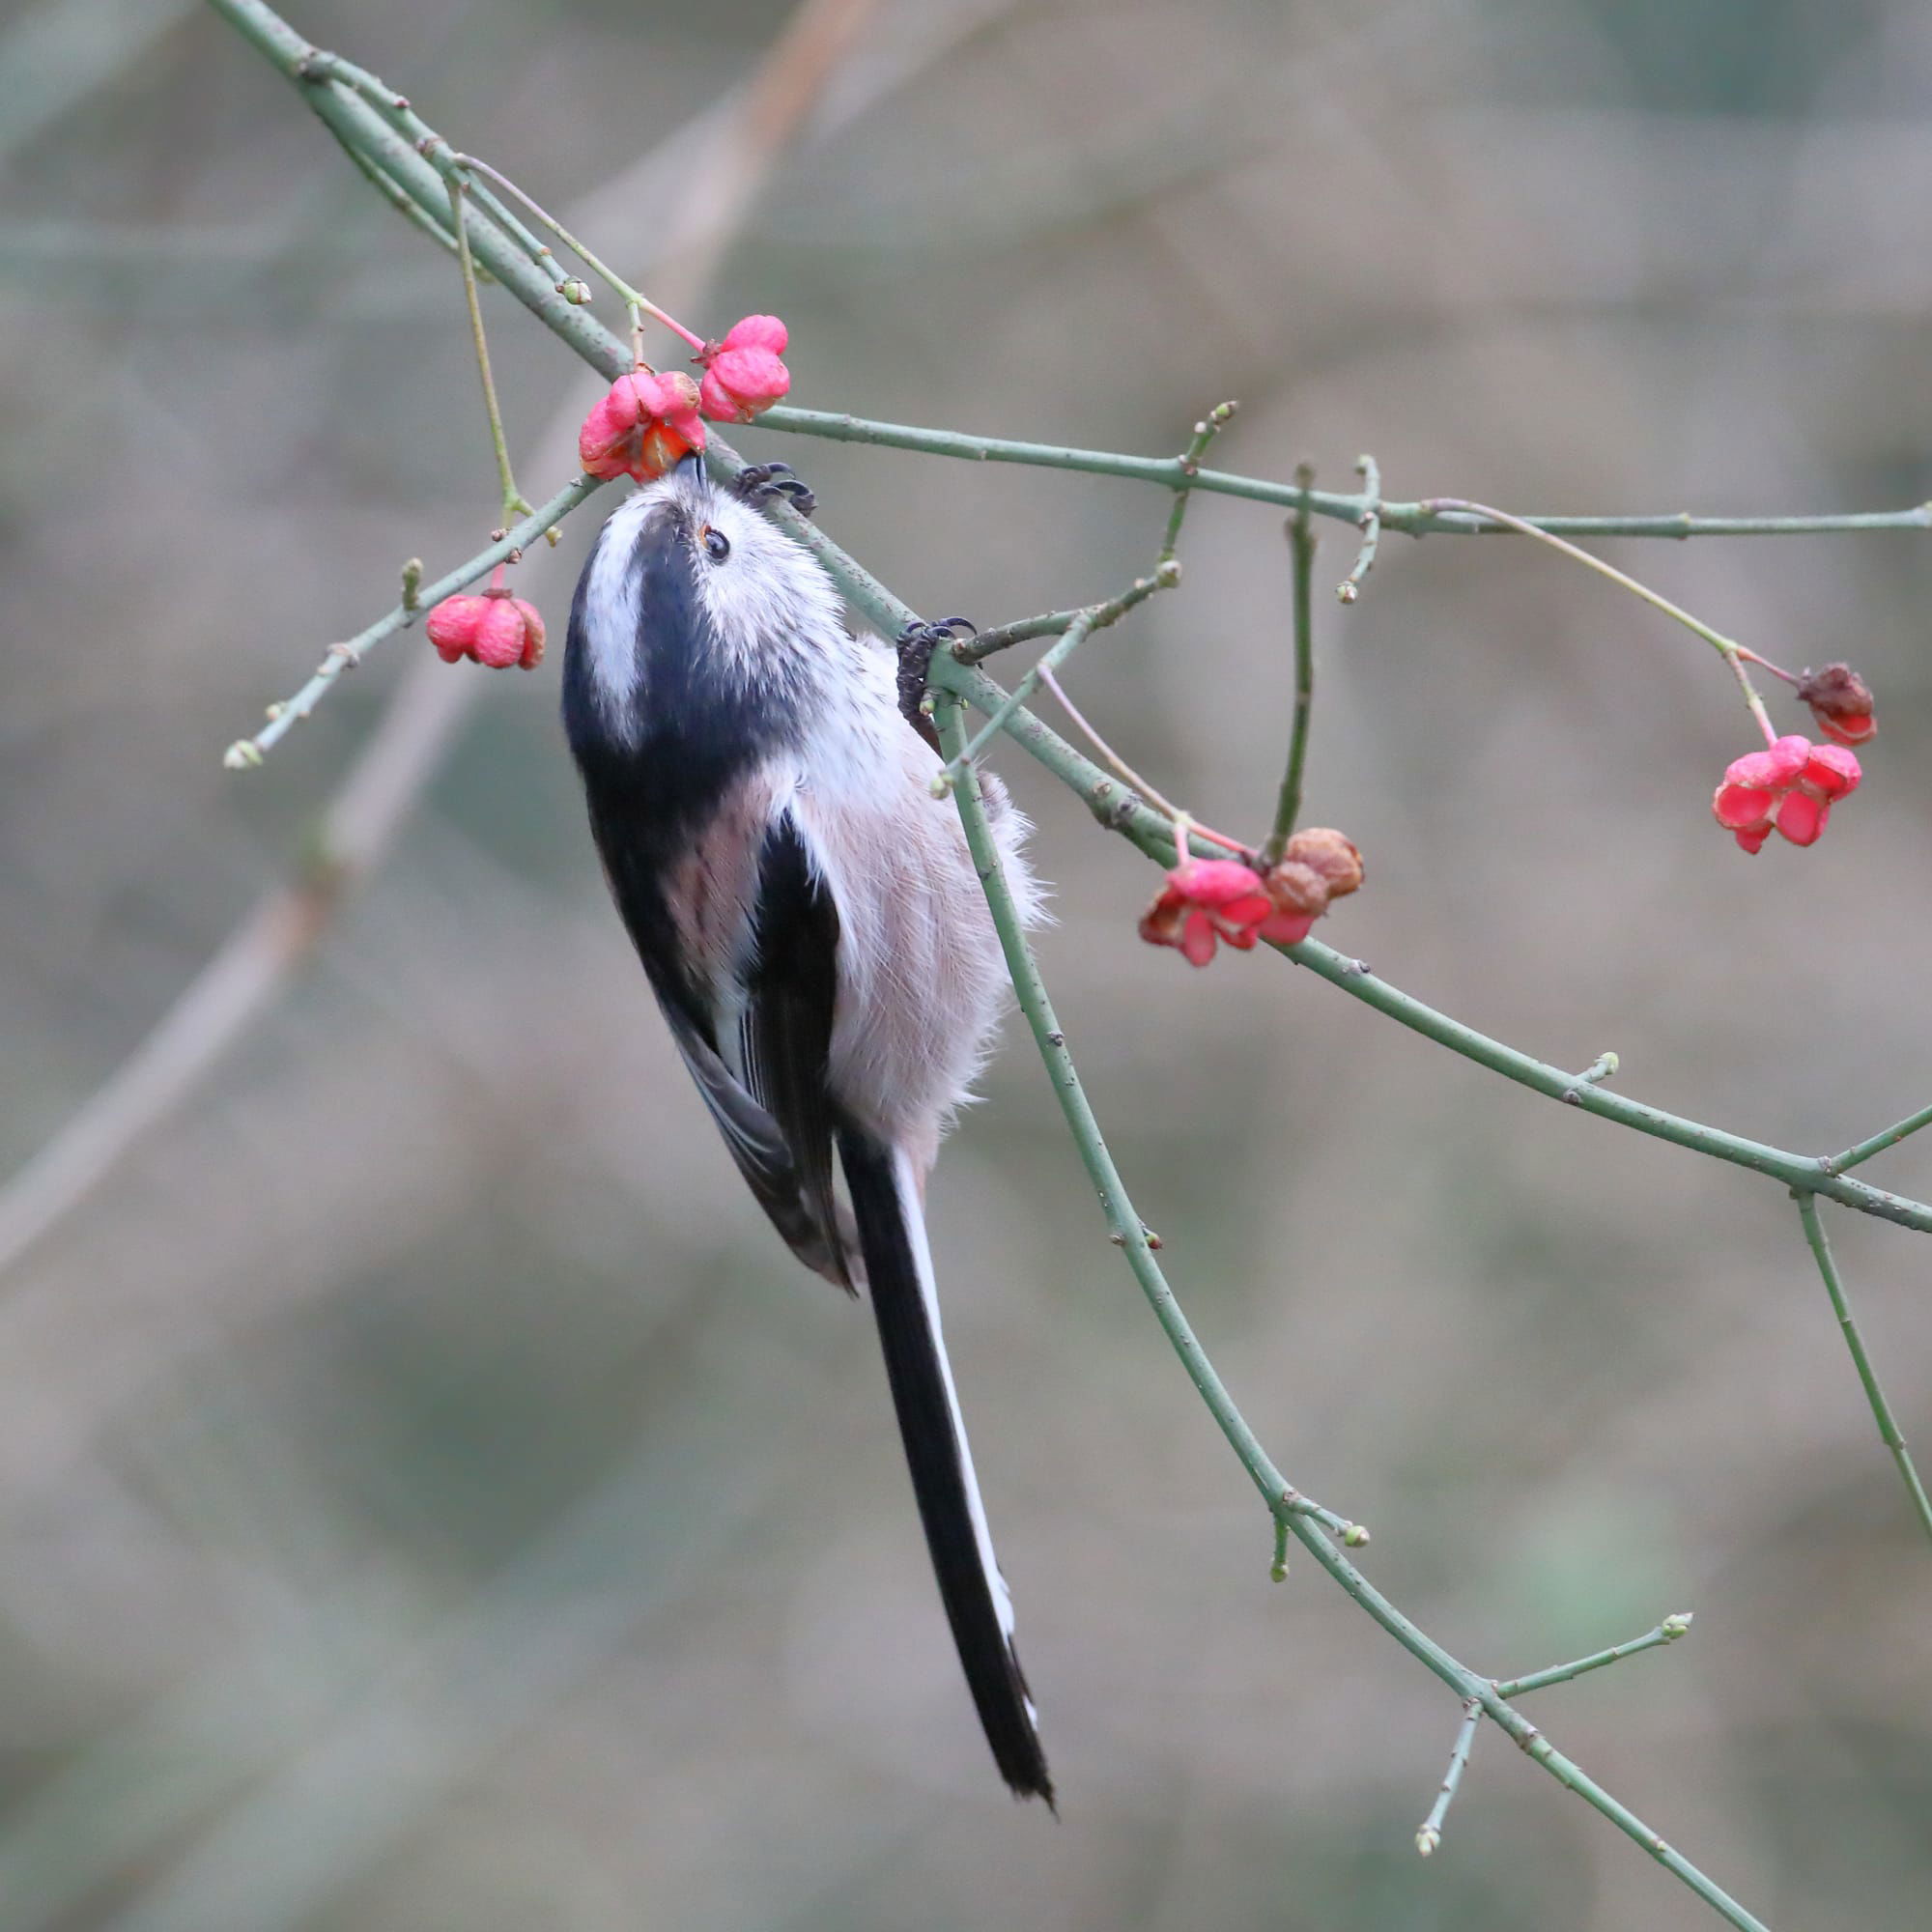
(759, 784)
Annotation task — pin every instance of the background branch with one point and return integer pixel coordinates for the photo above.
(247, 975)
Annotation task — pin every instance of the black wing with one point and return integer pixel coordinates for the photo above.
(778, 1128)
(787, 1029)
(764, 1155)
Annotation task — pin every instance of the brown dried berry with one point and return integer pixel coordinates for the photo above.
(1841, 701)
(1330, 853)
(1298, 888)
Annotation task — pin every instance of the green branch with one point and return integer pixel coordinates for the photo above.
(1371, 521)
(1080, 627)
(1130, 1233)
(1125, 1227)
(396, 198)
(1667, 1631)
(510, 496)
(1856, 1156)
(1205, 432)
(1431, 1834)
(1413, 519)
(1890, 1432)
(1287, 802)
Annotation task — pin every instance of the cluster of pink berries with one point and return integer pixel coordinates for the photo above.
(640, 427)
(491, 628)
(1205, 901)
(648, 422)
(1792, 785)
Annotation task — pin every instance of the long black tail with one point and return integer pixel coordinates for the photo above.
(892, 1235)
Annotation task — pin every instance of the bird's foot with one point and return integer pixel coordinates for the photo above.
(916, 643)
(762, 481)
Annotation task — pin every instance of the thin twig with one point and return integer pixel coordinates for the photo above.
(982, 645)
(1287, 802)
(1124, 771)
(1205, 433)
(639, 305)
(1111, 760)
(1022, 631)
(1890, 1432)
(1729, 649)
(1124, 1226)
(415, 216)
(1371, 521)
(1095, 617)
(246, 752)
(1668, 1631)
(1856, 1156)
(1069, 640)
(1431, 1834)
(321, 68)
(513, 501)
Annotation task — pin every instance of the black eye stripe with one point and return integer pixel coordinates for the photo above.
(717, 545)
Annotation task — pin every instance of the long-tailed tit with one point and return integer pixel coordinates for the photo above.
(811, 923)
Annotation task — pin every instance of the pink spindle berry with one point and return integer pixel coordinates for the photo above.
(1831, 771)
(1790, 786)
(491, 628)
(744, 375)
(643, 425)
(1203, 901)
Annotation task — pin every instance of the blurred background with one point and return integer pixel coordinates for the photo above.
(431, 1497)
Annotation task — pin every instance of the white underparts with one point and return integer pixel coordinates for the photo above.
(611, 615)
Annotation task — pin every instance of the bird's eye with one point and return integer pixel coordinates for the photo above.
(717, 545)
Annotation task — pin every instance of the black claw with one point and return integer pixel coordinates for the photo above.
(760, 482)
(916, 643)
